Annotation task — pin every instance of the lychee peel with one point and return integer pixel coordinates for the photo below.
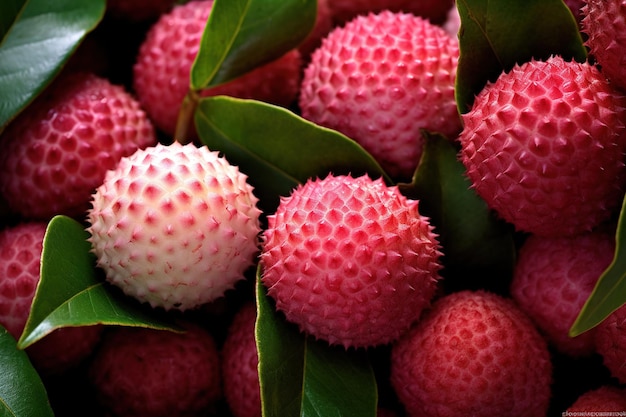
(350, 260)
(379, 80)
(174, 226)
(544, 147)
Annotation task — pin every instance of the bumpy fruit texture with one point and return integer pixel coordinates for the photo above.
(611, 343)
(575, 7)
(379, 80)
(240, 362)
(473, 354)
(163, 65)
(433, 10)
(604, 23)
(553, 278)
(174, 226)
(350, 260)
(544, 147)
(20, 254)
(157, 373)
(606, 398)
(57, 151)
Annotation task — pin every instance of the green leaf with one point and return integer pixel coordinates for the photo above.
(276, 148)
(243, 34)
(303, 377)
(496, 34)
(9, 11)
(609, 294)
(42, 38)
(22, 393)
(71, 293)
(475, 243)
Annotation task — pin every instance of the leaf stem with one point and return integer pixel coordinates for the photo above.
(185, 116)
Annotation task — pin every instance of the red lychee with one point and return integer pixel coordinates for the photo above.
(544, 147)
(379, 80)
(606, 398)
(175, 226)
(473, 354)
(611, 343)
(240, 363)
(350, 260)
(146, 372)
(604, 23)
(163, 65)
(20, 253)
(553, 278)
(433, 10)
(57, 151)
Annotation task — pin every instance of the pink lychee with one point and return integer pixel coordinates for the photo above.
(604, 23)
(379, 80)
(146, 372)
(544, 147)
(165, 57)
(20, 253)
(240, 363)
(610, 337)
(175, 225)
(57, 151)
(473, 354)
(350, 260)
(553, 278)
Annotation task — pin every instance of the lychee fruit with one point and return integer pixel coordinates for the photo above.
(350, 260)
(432, 10)
(604, 24)
(146, 372)
(20, 254)
(552, 280)
(605, 398)
(611, 343)
(57, 151)
(473, 354)
(380, 80)
(163, 65)
(240, 363)
(544, 146)
(174, 226)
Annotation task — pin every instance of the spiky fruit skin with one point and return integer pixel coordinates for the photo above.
(473, 353)
(604, 23)
(240, 363)
(162, 69)
(20, 254)
(379, 80)
(147, 372)
(350, 260)
(544, 147)
(433, 10)
(611, 343)
(175, 226)
(606, 398)
(57, 151)
(552, 280)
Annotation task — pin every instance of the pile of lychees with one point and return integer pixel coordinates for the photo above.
(348, 259)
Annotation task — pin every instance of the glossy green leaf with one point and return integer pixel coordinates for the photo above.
(303, 377)
(243, 34)
(276, 148)
(609, 293)
(496, 34)
(72, 293)
(477, 246)
(22, 393)
(9, 12)
(41, 40)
